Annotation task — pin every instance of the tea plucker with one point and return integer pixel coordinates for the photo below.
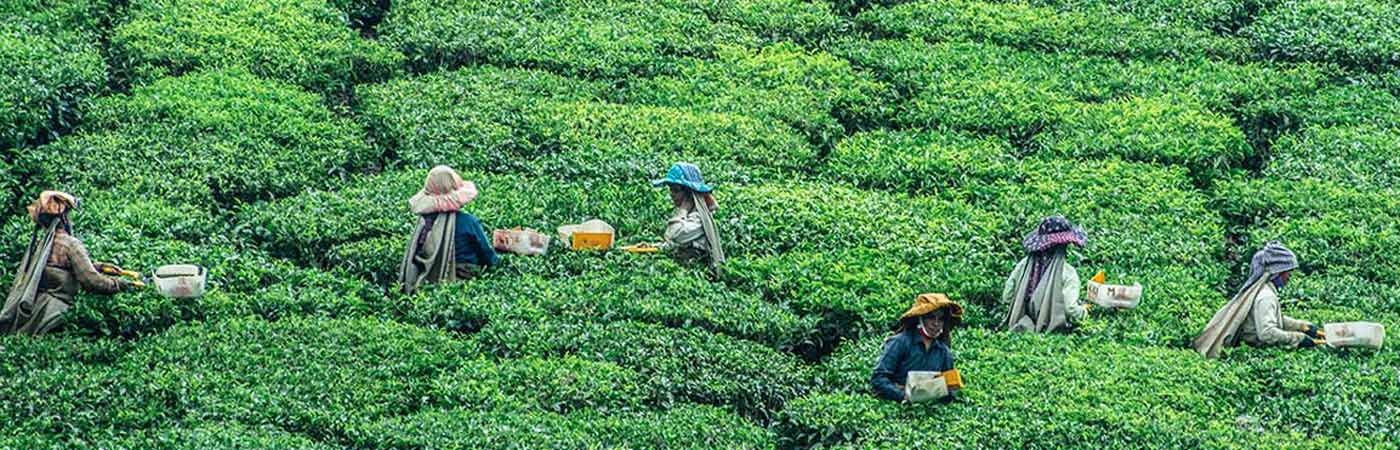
(921, 342)
(54, 267)
(691, 230)
(1042, 292)
(447, 243)
(1253, 316)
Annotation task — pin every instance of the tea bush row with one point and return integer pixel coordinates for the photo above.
(1220, 16)
(1334, 227)
(813, 92)
(1355, 33)
(1038, 28)
(1077, 391)
(304, 375)
(685, 426)
(591, 39)
(209, 138)
(1340, 105)
(913, 65)
(648, 291)
(447, 119)
(691, 364)
(303, 42)
(1164, 130)
(1359, 156)
(50, 67)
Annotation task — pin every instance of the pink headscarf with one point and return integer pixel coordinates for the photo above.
(51, 203)
(443, 191)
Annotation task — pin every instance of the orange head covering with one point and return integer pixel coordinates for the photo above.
(51, 203)
(927, 303)
(443, 191)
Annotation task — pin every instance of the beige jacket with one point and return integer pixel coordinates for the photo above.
(685, 230)
(1266, 324)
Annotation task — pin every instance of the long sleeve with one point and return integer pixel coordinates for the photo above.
(882, 379)
(88, 277)
(1007, 296)
(1291, 324)
(1070, 278)
(473, 244)
(1267, 322)
(684, 228)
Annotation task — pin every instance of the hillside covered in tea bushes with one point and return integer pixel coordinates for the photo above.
(864, 151)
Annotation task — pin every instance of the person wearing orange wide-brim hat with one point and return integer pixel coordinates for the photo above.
(921, 342)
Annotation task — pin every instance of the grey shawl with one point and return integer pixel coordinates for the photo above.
(27, 311)
(1045, 309)
(435, 260)
(1223, 330)
(711, 232)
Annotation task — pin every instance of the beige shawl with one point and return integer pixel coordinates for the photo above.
(27, 311)
(435, 260)
(1044, 311)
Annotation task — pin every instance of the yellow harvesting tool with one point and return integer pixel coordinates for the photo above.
(640, 248)
(114, 270)
(1099, 278)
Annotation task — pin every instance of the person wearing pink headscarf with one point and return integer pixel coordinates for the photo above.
(448, 242)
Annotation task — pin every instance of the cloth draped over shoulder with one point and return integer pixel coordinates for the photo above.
(27, 310)
(1041, 293)
(431, 253)
(1224, 327)
(704, 204)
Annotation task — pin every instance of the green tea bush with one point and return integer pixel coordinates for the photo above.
(686, 364)
(364, 14)
(643, 291)
(1359, 156)
(445, 119)
(857, 291)
(232, 436)
(1164, 130)
(1043, 388)
(303, 42)
(1354, 33)
(1334, 228)
(813, 92)
(1136, 214)
(24, 353)
(1344, 105)
(558, 385)
(920, 161)
(912, 65)
(1005, 108)
(212, 136)
(1346, 292)
(1341, 395)
(56, 400)
(1038, 28)
(303, 375)
(1221, 16)
(685, 426)
(591, 39)
(50, 67)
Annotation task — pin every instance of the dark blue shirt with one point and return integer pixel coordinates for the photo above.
(904, 353)
(473, 247)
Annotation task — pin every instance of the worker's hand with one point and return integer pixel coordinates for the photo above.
(1313, 331)
(1088, 307)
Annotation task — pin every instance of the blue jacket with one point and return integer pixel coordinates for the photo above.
(904, 353)
(473, 247)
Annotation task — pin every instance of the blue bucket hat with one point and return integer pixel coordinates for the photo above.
(684, 175)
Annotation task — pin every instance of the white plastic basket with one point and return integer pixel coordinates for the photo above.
(179, 280)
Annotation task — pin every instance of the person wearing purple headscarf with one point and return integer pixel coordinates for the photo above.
(1042, 292)
(1253, 315)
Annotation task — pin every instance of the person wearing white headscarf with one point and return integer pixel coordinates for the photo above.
(448, 242)
(1253, 315)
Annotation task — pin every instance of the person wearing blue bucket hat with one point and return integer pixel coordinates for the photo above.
(691, 230)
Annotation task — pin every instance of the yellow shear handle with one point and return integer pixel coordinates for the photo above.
(641, 248)
(115, 271)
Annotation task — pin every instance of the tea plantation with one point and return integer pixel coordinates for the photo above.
(864, 151)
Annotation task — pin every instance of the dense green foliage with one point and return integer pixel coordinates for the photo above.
(50, 65)
(862, 151)
(305, 42)
(593, 39)
(219, 136)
